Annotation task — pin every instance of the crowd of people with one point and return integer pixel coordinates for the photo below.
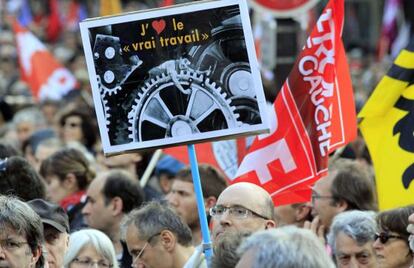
(63, 203)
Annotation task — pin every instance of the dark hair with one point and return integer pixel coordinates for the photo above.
(154, 217)
(88, 126)
(352, 183)
(121, 184)
(18, 177)
(19, 216)
(395, 220)
(65, 161)
(7, 150)
(212, 180)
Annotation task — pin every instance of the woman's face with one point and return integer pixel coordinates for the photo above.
(87, 257)
(72, 129)
(55, 189)
(394, 253)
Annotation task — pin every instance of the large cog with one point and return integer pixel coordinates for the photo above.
(162, 109)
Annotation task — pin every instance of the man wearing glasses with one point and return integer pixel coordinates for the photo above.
(21, 235)
(157, 238)
(348, 186)
(242, 207)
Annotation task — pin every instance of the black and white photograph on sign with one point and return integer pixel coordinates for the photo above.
(174, 76)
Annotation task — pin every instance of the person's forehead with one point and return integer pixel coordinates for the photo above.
(347, 245)
(8, 231)
(133, 236)
(182, 185)
(239, 197)
(97, 184)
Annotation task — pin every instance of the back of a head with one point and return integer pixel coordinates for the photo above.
(353, 184)
(286, 247)
(97, 239)
(212, 180)
(120, 183)
(19, 178)
(358, 225)
(154, 217)
(8, 150)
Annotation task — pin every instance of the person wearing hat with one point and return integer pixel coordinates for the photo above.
(56, 230)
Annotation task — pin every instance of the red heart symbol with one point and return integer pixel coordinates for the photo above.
(158, 25)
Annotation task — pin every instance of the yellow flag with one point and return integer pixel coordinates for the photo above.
(110, 7)
(388, 128)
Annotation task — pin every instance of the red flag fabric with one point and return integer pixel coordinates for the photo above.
(46, 77)
(313, 115)
(224, 155)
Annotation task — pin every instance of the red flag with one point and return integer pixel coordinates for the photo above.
(224, 155)
(46, 77)
(313, 115)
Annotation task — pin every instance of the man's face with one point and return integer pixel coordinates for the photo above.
(322, 202)
(56, 245)
(151, 253)
(351, 255)
(239, 197)
(15, 251)
(285, 215)
(182, 198)
(97, 214)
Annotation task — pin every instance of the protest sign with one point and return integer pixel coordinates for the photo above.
(177, 75)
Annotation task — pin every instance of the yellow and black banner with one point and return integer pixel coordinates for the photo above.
(388, 128)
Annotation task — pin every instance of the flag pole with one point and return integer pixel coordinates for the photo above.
(207, 248)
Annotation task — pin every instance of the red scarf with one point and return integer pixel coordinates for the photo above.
(68, 202)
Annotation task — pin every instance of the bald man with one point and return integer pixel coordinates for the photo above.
(242, 207)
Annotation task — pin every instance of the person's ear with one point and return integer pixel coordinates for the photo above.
(168, 240)
(270, 224)
(209, 202)
(117, 205)
(36, 255)
(302, 212)
(341, 205)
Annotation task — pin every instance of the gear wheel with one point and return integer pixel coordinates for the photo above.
(163, 110)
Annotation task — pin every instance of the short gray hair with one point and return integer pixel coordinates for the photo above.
(154, 217)
(100, 241)
(19, 216)
(359, 225)
(286, 247)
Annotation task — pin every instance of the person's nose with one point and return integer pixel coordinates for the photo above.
(225, 219)
(377, 244)
(353, 263)
(172, 199)
(86, 209)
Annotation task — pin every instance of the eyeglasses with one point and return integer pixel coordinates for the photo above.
(11, 245)
(317, 196)
(87, 263)
(384, 237)
(238, 212)
(141, 252)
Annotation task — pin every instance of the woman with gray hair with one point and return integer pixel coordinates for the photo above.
(88, 247)
(351, 239)
(285, 247)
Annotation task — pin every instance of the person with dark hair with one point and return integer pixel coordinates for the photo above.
(157, 237)
(68, 173)
(110, 196)
(55, 229)
(19, 178)
(21, 235)
(348, 186)
(79, 126)
(391, 242)
(182, 196)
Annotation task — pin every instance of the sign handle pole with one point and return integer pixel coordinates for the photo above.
(207, 247)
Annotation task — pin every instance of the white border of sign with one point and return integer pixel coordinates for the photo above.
(228, 133)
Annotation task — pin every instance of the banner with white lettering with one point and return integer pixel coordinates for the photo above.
(313, 115)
